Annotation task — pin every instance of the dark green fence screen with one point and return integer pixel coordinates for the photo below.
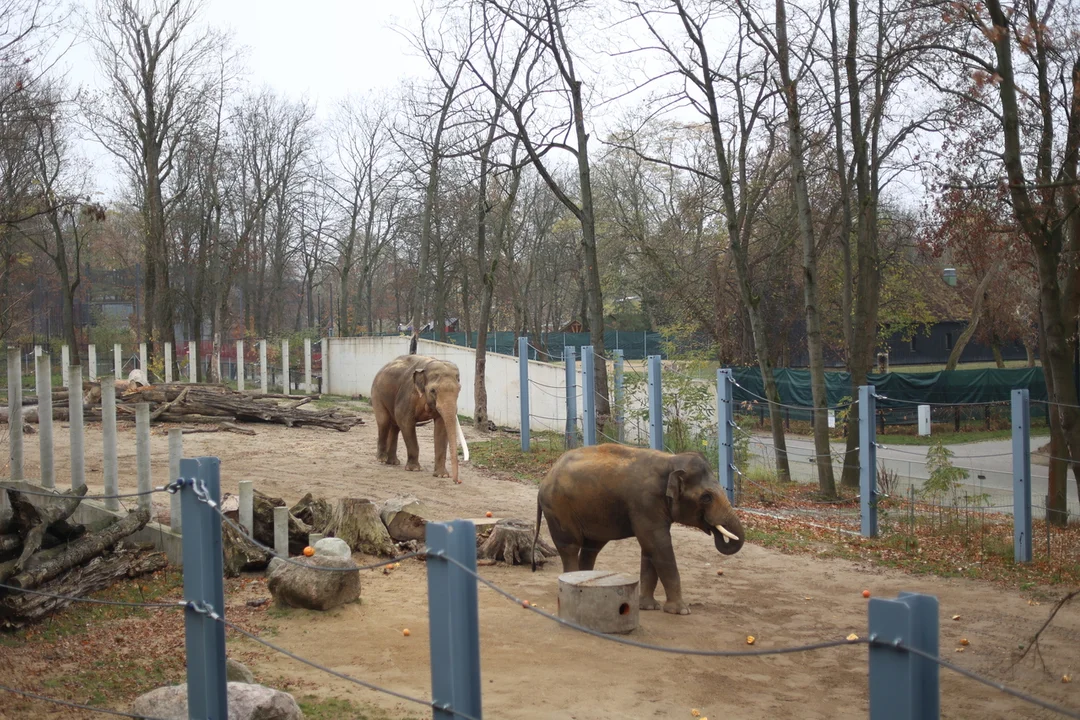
(959, 394)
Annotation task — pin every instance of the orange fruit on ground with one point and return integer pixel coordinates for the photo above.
(866, 593)
(487, 514)
(405, 632)
(309, 551)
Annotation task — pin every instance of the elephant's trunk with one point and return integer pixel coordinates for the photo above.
(727, 531)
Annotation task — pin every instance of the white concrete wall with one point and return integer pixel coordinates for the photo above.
(354, 362)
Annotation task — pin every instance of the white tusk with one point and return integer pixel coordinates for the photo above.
(461, 439)
(728, 536)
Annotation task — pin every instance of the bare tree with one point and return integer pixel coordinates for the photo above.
(158, 69)
(552, 74)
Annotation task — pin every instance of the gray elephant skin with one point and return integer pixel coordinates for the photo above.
(594, 495)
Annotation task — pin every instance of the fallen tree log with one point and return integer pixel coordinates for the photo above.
(317, 513)
(405, 518)
(35, 572)
(32, 521)
(18, 609)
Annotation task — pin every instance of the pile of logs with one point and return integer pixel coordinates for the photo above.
(41, 549)
(393, 527)
(206, 404)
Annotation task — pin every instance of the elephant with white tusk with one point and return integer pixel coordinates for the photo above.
(414, 390)
(593, 495)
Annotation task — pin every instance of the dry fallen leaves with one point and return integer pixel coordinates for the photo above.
(1066, 678)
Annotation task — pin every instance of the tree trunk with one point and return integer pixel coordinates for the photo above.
(822, 447)
(973, 323)
(357, 522)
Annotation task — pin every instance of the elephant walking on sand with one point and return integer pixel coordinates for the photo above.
(593, 495)
(414, 390)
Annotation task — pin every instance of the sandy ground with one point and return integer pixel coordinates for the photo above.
(533, 668)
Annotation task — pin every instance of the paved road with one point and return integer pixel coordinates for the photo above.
(989, 466)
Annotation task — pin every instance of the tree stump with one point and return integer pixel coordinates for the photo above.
(239, 553)
(510, 541)
(357, 522)
(405, 518)
(600, 600)
(317, 513)
(263, 520)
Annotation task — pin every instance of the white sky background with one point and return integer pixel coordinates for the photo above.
(319, 49)
(325, 50)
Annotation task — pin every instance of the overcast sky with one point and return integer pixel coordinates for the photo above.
(321, 49)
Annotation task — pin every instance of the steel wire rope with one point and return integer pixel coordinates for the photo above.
(801, 408)
(644, 646)
(311, 663)
(77, 706)
(178, 605)
(6, 485)
(942, 404)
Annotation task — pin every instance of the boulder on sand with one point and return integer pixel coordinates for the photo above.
(333, 547)
(312, 587)
(246, 702)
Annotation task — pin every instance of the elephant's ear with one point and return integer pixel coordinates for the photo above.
(674, 484)
(420, 379)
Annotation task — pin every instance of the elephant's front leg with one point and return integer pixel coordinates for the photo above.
(412, 446)
(657, 546)
(391, 445)
(440, 449)
(648, 584)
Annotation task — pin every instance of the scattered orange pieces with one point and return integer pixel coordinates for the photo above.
(1066, 678)
(487, 514)
(695, 713)
(866, 593)
(309, 551)
(750, 639)
(852, 637)
(405, 632)
(525, 603)
(719, 572)
(955, 617)
(964, 642)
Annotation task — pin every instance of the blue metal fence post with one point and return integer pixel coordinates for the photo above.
(725, 426)
(867, 461)
(620, 416)
(204, 637)
(1021, 455)
(571, 397)
(523, 382)
(454, 620)
(656, 405)
(588, 396)
(904, 686)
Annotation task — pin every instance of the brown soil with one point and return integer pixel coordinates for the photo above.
(534, 669)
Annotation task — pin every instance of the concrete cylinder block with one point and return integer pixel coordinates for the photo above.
(600, 600)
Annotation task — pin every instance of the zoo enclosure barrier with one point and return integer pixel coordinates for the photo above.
(1014, 486)
(262, 362)
(902, 639)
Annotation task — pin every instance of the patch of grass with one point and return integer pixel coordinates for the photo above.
(504, 454)
(949, 438)
(315, 708)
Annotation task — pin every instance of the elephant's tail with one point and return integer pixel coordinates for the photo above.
(413, 342)
(536, 535)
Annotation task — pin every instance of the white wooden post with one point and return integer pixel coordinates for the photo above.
(142, 362)
(91, 353)
(262, 366)
(118, 362)
(168, 365)
(75, 428)
(307, 365)
(240, 365)
(285, 366)
(65, 359)
(193, 368)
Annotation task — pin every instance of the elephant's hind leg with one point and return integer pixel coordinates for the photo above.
(382, 420)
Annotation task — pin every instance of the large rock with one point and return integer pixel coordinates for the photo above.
(333, 547)
(405, 518)
(312, 588)
(236, 671)
(246, 702)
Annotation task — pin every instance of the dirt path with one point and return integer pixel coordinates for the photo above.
(535, 669)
